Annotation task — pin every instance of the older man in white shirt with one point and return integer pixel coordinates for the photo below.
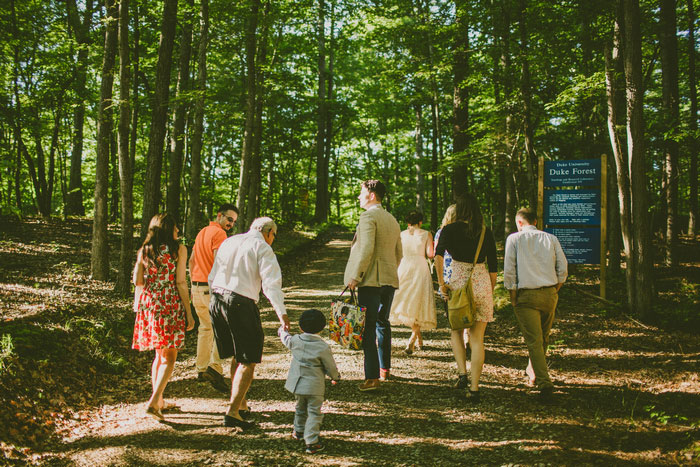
(534, 270)
(243, 265)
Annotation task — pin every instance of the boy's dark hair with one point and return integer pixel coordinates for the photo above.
(228, 207)
(528, 215)
(414, 217)
(312, 321)
(376, 187)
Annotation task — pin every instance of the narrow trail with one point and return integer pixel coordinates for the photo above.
(605, 378)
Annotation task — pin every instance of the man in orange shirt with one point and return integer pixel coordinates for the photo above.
(205, 246)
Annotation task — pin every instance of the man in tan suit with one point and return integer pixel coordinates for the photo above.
(372, 269)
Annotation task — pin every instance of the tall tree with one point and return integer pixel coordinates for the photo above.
(526, 95)
(126, 175)
(159, 116)
(81, 32)
(460, 105)
(502, 27)
(671, 120)
(330, 107)
(198, 130)
(177, 138)
(254, 201)
(135, 86)
(321, 206)
(692, 124)
(621, 220)
(99, 259)
(640, 261)
(420, 180)
(245, 199)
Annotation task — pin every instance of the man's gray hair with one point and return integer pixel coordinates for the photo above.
(263, 225)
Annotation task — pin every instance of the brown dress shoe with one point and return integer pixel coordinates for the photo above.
(369, 385)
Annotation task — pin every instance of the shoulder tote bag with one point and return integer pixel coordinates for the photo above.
(461, 305)
(347, 321)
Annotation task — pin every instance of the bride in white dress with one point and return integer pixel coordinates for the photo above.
(414, 301)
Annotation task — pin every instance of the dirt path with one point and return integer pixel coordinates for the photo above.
(627, 395)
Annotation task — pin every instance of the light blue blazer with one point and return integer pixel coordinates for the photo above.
(311, 361)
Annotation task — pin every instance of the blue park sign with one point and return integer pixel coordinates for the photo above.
(572, 207)
(585, 172)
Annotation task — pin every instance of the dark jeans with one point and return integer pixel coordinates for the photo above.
(376, 341)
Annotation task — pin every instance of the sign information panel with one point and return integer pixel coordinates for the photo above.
(572, 207)
(581, 246)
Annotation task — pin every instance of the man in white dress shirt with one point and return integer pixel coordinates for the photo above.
(534, 270)
(243, 265)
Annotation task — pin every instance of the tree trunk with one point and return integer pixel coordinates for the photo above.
(321, 207)
(99, 259)
(420, 181)
(255, 183)
(526, 91)
(619, 214)
(198, 130)
(159, 116)
(58, 112)
(434, 177)
(177, 140)
(671, 119)
(244, 187)
(692, 125)
(135, 93)
(641, 249)
(586, 113)
(114, 168)
(81, 32)
(460, 104)
(330, 108)
(126, 176)
(502, 16)
(613, 55)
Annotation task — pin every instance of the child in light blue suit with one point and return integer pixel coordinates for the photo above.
(311, 361)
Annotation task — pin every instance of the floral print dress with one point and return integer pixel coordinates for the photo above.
(160, 320)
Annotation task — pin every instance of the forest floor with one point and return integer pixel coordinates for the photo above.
(72, 392)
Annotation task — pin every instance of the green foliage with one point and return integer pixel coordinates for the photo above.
(103, 340)
(659, 416)
(7, 349)
(389, 58)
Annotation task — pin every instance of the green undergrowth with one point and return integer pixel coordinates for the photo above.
(48, 367)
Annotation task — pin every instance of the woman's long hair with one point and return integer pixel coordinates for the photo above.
(469, 212)
(160, 232)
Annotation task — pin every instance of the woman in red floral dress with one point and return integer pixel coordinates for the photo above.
(162, 303)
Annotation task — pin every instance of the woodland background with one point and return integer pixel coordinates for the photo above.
(118, 110)
(112, 111)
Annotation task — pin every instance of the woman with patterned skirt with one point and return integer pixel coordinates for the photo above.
(161, 303)
(461, 240)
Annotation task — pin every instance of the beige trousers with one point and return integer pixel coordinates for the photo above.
(207, 353)
(535, 312)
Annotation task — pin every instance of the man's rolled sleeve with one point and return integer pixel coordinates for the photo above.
(271, 276)
(510, 271)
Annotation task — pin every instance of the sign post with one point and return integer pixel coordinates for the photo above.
(572, 197)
